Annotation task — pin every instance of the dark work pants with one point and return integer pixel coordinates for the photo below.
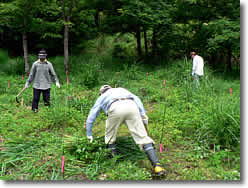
(36, 98)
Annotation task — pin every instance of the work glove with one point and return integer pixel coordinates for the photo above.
(57, 84)
(26, 85)
(90, 138)
(145, 119)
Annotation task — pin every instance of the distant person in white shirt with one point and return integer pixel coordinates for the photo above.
(197, 68)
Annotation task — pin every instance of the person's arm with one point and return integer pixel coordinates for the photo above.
(139, 104)
(92, 116)
(52, 72)
(141, 109)
(31, 75)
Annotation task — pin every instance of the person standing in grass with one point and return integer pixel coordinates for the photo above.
(197, 68)
(121, 106)
(41, 73)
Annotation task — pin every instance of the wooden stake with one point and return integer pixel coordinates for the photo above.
(67, 80)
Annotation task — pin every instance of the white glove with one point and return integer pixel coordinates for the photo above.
(57, 84)
(26, 85)
(90, 138)
(145, 119)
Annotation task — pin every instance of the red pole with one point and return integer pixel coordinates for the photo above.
(231, 91)
(8, 83)
(63, 164)
(161, 150)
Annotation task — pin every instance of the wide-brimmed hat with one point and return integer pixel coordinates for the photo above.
(104, 88)
(42, 54)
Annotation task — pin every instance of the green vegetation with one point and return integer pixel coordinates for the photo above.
(198, 129)
(140, 45)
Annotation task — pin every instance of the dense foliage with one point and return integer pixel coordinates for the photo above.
(162, 28)
(199, 129)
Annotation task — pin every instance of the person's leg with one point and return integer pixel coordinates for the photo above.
(113, 149)
(46, 97)
(196, 81)
(151, 153)
(140, 136)
(135, 124)
(113, 122)
(36, 99)
(152, 156)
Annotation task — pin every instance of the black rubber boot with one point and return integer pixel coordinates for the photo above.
(152, 156)
(151, 153)
(113, 149)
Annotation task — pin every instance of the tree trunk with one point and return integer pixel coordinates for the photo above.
(96, 16)
(66, 48)
(138, 42)
(154, 43)
(25, 50)
(66, 33)
(212, 60)
(145, 40)
(229, 58)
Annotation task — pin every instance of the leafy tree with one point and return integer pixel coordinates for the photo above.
(67, 7)
(136, 17)
(226, 38)
(161, 25)
(213, 27)
(47, 30)
(17, 15)
(170, 28)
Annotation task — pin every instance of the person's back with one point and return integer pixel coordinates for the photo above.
(199, 64)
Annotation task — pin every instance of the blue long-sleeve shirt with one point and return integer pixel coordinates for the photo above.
(104, 102)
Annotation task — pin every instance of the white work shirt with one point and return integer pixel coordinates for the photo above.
(198, 65)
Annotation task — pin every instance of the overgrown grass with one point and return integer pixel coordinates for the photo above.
(199, 129)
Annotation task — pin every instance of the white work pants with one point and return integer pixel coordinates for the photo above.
(126, 111)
